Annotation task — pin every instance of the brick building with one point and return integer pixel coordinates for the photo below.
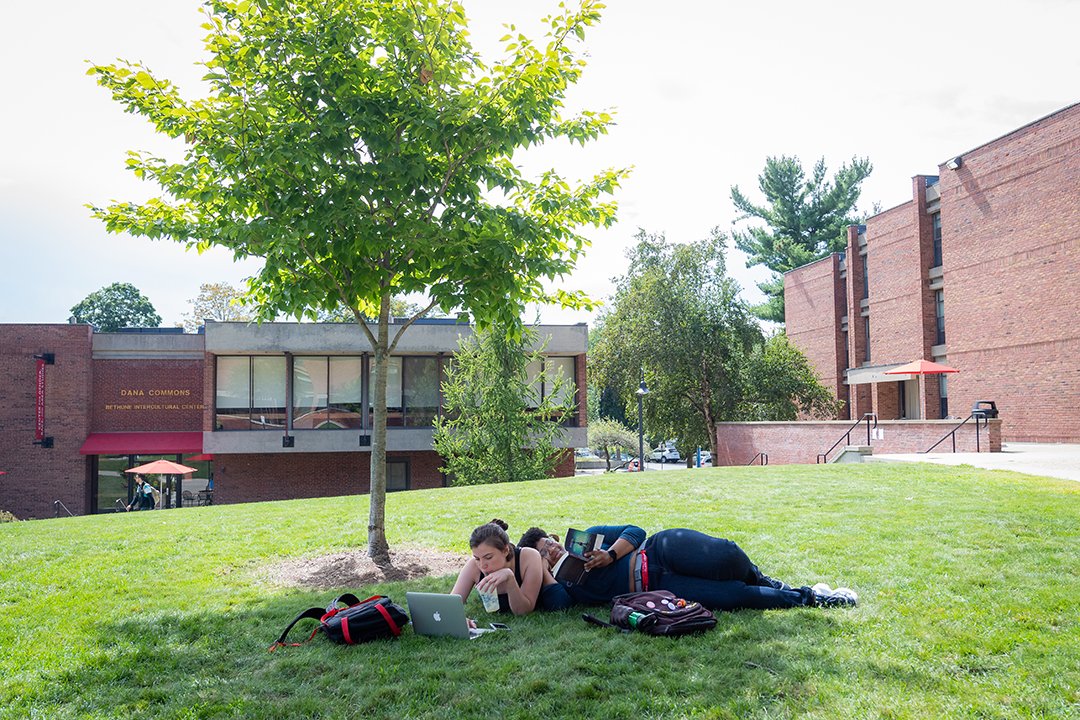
(268, 412)
(977, 271)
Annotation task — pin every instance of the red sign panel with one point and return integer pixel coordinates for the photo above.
(39, 428)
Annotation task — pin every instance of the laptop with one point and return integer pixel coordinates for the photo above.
(438, 615)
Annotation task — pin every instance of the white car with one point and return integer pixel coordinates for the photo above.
(665, 455)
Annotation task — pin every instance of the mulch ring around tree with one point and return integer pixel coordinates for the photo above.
(355, 568)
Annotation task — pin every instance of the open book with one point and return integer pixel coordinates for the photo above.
(570, 570)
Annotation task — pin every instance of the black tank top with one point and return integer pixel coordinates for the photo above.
(504, 599)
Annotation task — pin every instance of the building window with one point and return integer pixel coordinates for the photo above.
(397, 475)
(394, 410)
(939, 312)
(327, 392)
(936, 220)
(412, 391)
(866, 337)
(553, 378)
(865, 278)
(420, 389)
(943, 391)
(250, 393)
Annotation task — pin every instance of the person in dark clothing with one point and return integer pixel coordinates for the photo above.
(516, 574)
(711, 570)
(143, 498)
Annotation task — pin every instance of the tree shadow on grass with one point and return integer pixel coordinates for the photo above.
(202, 664)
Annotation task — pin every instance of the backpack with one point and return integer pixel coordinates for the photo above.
(657, 612)
(362, 620)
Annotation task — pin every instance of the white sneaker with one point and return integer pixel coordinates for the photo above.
(822, 589)
(847, 593)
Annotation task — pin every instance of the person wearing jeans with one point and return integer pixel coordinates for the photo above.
(713, 571)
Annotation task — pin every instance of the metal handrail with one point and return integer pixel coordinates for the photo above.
(764, 459)
(846, 437)
(56, 508)
(980, 420)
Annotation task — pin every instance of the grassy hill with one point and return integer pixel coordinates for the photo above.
(968, 583)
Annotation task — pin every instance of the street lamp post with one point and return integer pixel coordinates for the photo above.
(642, 391)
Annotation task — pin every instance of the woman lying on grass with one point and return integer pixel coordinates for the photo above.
(517, 574)
(711, 570)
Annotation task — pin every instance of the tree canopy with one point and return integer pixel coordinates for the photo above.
(363, 149)
(116, 306)
(497, 427)
(677, 316)
(220, 302)
(805, 220)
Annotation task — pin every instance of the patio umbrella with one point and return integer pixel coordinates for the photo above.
(162, 467)
(922, 368)
(199, 458)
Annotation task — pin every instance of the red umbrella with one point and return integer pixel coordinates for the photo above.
(3, 472)
(162, 467)
(199, 458)
(921, 368)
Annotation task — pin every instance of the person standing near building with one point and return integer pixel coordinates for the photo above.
(143, 497)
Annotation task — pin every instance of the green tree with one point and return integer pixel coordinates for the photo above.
(119, 305)
(677, 315)
(364, 151)
(610, 436)
(495, 428)
(220, 302)
(783, 385)
(805, 219)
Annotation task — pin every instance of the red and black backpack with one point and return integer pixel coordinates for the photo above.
(360, 621)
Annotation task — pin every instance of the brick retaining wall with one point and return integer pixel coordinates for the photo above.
(800, 442)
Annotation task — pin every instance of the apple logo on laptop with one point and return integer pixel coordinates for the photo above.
(437, 616)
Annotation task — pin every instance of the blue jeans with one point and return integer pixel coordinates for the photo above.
(716, 573)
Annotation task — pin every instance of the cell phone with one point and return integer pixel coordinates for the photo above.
(499, 626)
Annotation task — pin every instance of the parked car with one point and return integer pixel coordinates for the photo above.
(665, 455)
(706, 457)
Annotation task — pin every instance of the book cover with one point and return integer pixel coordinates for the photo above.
(570, 570)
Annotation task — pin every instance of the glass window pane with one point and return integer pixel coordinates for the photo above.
(533, 374)
(421, 390)
(393, 391)
(309, 392)
(268, 393)
(560, 369)
(346, 392)
(112, 483)
(397, 475)
(233, 393)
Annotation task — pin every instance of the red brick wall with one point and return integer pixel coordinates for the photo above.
(147, 395)
(285, 476)
(785, 443)
(1011, 249)
(254, 478)
(38, 476)
(814, 302)
(896, 281)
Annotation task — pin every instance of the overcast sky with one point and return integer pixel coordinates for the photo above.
(704, 92)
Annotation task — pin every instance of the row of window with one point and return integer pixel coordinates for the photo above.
(335, 392)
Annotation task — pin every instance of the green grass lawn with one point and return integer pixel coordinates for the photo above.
(968, 580)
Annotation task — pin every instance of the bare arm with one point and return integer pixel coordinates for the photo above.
(466, 580)
(523, 599)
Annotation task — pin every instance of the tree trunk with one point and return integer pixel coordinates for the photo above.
(378, 548)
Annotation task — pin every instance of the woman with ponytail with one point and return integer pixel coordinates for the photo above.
(498, 566)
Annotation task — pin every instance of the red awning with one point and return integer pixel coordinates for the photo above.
(142, 443)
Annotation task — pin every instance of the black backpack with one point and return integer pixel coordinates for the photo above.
(361, 621)
(657, 612)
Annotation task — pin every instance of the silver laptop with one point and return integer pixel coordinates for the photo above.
(438, 615)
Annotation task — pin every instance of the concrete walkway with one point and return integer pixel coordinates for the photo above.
(1050, 460)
